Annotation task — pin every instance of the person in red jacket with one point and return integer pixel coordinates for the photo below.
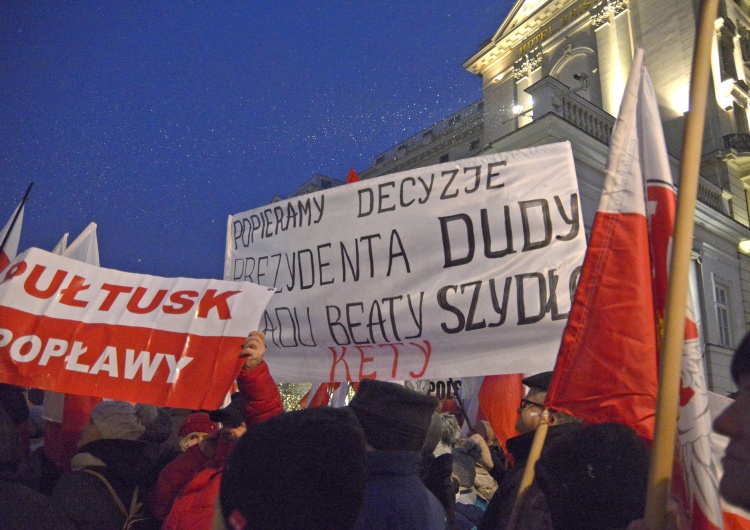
(187, 488)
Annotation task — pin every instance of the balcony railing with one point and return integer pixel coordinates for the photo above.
(739, 142)
(552, 96)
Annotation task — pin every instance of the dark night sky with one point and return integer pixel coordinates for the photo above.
(157, 121)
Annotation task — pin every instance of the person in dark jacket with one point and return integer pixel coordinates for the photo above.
(109, 449)
(22, 508)
(396, 421)
(299, 470)
(499, 510)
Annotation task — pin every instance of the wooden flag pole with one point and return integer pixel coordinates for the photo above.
(540, 435)
(665, 431)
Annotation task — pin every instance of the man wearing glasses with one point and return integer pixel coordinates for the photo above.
(497, 515)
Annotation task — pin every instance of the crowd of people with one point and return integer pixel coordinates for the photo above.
(389, 460)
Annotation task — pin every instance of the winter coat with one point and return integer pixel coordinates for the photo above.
(395, 497)
(22, 508)
(187, 487)
(85, 499)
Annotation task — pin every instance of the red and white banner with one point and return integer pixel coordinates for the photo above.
(71, 327)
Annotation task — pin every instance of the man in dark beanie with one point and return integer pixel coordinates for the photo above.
(396, 421)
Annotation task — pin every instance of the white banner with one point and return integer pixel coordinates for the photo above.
(464, 268)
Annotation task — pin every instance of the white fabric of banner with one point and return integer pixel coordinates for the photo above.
(459, 269)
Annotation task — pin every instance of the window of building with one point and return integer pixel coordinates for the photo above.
(427, 134)
(740, 118)
(454, 119)
(474, 145)
(745, 43)
(380, 160)
(723, 313)
(444, 158)
(726, 56)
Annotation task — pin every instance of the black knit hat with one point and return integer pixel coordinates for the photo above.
(540, 381)
(230, 416)
(594, 477)
(302, 469)
(393, 417)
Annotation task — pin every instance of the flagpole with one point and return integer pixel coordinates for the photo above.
(460, 402)
(540, 435)
(15, 218)
(665, 431)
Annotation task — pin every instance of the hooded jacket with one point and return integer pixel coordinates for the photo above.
(85, 499)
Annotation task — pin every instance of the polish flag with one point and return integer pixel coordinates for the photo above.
(499, 398)
(11, 235)
(67, 414)
(606, 366)
(321, 394)
(610, 343)
(352, 176)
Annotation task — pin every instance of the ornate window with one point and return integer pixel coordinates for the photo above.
(725, 35)
(723, 313)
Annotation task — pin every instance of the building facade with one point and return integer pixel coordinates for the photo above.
(555, 70)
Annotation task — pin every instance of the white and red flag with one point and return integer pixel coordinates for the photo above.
(607, 365)
(352, 176)
(499, 398)
(67, 414)
(11, 235)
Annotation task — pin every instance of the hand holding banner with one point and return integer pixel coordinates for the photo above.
(71, 327)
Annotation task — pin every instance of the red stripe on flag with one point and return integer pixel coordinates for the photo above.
(29, 345)
(499, 398)
(606, 367)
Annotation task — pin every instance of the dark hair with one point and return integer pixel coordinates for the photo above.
(302, 469)
(741, 360)
(595, 477)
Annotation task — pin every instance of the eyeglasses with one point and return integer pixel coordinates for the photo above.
(526, 403)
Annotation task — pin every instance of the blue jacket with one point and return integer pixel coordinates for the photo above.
(395, 497)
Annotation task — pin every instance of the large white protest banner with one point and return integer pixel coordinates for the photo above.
(464, 268)
(72, 327)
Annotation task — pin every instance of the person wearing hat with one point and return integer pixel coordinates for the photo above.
(111, 450)
(195, 428)
(497, 515)
(187, 488)
(396, 421)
